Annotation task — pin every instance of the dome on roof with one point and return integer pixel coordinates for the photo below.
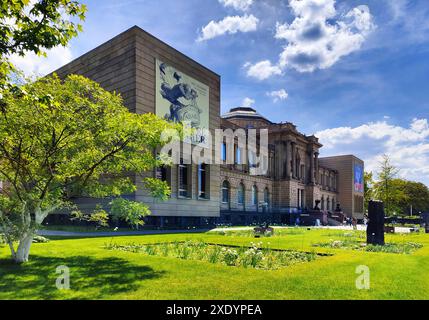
(243, 112)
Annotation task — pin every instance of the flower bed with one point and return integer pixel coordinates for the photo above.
(254, 256)
(399, 248)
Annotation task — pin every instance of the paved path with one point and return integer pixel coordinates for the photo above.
(148, 232)
(114, 233)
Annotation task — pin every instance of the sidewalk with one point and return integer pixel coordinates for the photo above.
(149, 232)
(114, 233)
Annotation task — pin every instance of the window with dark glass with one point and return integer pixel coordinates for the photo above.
(237, 155)
(223, 151)
(254, 195)
(266, 196)
(161, 173)
(225, 192)
(183, 180)
(240, 194)
(202, 180)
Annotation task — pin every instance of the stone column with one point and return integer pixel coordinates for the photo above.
(287, 153)
(279, 150)
(293, 159)
(316, 165)
(311, 167)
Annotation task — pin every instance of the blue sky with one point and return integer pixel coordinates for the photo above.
(355, 73)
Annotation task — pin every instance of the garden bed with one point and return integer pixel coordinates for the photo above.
(253, 256)
(399, 248)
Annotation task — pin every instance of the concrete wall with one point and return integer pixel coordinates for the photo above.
(347, 196)
(126, 64)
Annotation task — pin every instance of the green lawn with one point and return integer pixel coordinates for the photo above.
(97, 273)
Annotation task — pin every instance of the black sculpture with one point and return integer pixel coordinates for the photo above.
(375, 228)
(316, 207)
(338, 208)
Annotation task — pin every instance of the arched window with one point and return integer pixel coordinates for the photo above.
(323, 203)
(328, 203)
(254, 195)
(240, 194)
(267, 196)
(225, 192)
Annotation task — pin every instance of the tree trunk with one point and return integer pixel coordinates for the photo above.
(21, 254)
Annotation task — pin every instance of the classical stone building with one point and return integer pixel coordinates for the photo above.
(154, 77)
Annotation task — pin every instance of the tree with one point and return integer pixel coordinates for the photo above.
(368, 183)
(383, 187)
(63, 139)
(34, 27)
(416, 195)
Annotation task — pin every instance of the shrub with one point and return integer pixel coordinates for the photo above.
(230, 257)
(40, 239)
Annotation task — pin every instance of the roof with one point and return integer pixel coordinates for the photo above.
(244, 112)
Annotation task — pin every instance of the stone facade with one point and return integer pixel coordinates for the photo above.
(296, 177)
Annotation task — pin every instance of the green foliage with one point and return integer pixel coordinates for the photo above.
(59, 140)
(398, 195)
(131, 212)
(39, 25)
(2, 240)
(383, 188)
(108, 274)
(158, 188)
(247, 257)
(40, 239)
(416, 194)
(400, 248)
(99, 217)
(368, 183)
(35, 27)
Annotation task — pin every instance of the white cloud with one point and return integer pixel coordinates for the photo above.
(278, 95)
(319, 36)
(313, 42)
(262, 69)
(247, 103)
(407, 147)
(32, 64)
(230, 25)
(242, 5)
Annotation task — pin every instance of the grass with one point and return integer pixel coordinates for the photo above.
(98, 273)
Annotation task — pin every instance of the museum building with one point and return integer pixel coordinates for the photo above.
(151, 76)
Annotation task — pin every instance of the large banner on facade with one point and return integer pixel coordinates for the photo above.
(358, 178)
(180, 98)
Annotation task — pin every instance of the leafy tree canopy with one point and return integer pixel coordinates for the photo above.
(62, 139)
(34, 26)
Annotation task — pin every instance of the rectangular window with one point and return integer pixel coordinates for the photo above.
(223, 151)
(237, 155)
(183, 180)
(240, 195)
(225, 194)
(161, 173)
(202, 180)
